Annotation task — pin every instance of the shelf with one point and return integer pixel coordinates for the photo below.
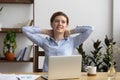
(17, 1)
(17, 30)
(3, 60)
(5, 29)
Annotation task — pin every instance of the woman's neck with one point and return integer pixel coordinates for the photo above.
(58, 37)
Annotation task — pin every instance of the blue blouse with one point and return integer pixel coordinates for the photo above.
(64, 47)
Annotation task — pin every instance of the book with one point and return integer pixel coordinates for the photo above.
(19, 55)
(27, 53)
(24, 51)
(31, 53)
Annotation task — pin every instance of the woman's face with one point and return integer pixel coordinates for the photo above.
(59, 24)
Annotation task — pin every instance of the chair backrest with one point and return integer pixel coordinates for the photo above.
(37, 54)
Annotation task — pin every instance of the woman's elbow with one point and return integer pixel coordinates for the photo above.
(24, 29)
(92, 28)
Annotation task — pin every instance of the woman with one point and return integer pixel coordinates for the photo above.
(59, 42)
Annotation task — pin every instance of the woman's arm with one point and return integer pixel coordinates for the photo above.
(32, 34)
(83, 33)
(37, 30)
(47, 32)
(81, 29)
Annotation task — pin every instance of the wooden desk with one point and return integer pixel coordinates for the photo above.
(99, 76)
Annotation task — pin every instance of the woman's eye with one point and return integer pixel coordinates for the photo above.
(57, 21)
(63, 21)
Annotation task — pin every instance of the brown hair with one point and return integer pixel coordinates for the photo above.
(59, 13)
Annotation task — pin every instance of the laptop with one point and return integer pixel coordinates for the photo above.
(64, 67)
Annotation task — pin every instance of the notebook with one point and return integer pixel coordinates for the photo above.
(64, 67)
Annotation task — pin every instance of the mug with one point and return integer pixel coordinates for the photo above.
(91, 70)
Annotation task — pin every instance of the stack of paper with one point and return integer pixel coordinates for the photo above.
(27, 77)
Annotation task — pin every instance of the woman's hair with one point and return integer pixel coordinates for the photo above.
(59, 13)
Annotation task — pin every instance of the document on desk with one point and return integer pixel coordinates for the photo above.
(8, 77)
(27, 76)
(18, 76)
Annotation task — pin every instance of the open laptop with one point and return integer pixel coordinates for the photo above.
(64, 67)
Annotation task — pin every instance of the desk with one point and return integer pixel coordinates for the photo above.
(99, 76)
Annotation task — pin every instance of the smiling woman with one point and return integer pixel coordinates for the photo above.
(59, 42)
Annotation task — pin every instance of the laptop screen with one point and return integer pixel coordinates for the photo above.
(64, 67)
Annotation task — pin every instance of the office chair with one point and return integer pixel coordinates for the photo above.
(37, 54)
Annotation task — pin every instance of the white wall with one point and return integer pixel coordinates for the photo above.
(97, 13)
(116, 20)
(116, 30)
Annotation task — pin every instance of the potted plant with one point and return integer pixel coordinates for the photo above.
(85, 60)
(9, 45)
(103, 61)
(96, 55)
(108, 57)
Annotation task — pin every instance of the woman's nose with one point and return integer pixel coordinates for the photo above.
(60, 23)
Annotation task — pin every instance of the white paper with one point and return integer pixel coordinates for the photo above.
(27, 77)
(18, 76)
(8, 77)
